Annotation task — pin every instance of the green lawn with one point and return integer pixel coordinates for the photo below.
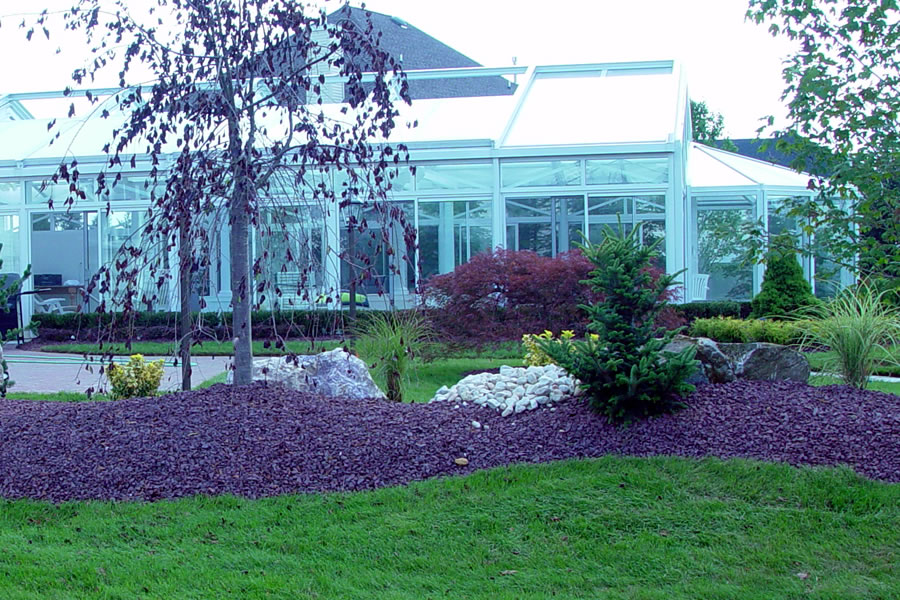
(890, 387)
(77, 397)
(658, 528)
(889, 361)
(431, 376)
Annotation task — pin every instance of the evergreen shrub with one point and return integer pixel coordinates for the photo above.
(624, 369)
(691, 311)
(267, 325)
(784, 288)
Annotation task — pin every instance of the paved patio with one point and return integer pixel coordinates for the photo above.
(51, 372)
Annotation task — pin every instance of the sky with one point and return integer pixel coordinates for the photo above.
(732, 64)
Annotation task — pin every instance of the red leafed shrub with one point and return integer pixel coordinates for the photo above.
(504, 294)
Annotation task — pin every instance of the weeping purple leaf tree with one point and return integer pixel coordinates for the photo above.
(244, 115)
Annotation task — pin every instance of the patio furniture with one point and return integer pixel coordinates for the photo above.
(701, 286)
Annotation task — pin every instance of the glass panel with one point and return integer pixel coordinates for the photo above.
(721, 250)
(610, 211)
(291, 243)
(10, 193)
(778, 222)
(125, 228)
(633, 108)
(59, 193)
(454, 177)
(548, 225)
(651, 233)
(628, 170)
(605, 211)
(450, 233)
(383, 253)
(364, 188)
(132, 188)
(64, 256)
(540, 174)
(650, 206)
(827, 271)
(401, 180)
(10, 252)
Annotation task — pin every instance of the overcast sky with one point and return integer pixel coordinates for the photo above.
(734, 65)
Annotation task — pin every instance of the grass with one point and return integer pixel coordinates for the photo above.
(887, 361)
(657, 528)
(889, 387)
(429, 377)
(79, 397)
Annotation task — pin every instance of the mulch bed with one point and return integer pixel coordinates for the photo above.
(263, 441)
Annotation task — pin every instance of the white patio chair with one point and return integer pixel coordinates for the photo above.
(51, 305)
(701, 286)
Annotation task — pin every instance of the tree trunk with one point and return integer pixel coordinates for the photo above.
(394, 391)
(351, 243)
(241, 286)
(185, 327)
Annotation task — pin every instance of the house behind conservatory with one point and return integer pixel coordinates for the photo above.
(512, 157)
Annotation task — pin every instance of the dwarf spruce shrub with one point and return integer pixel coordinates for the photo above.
(623, 367)
(784, 288)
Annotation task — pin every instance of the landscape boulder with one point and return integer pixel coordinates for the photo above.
(328, 374)
(722, 362)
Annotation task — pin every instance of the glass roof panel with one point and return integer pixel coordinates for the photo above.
(711, 167)
(596, 109)
(706, 171)
(761, 171)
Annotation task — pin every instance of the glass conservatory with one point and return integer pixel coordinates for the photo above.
(573, 149)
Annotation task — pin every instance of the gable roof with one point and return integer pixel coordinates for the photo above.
(415, 49)
(766, 149)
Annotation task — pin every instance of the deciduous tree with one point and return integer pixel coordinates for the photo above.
(238, 109)
(842, 89)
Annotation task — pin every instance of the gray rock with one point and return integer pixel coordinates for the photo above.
(327, 374)
(722, 362)
(768, 362)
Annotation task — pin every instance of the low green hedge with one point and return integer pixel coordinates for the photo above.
(718, 308)
(727, 329)
(163, 325)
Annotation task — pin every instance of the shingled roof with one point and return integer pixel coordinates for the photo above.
(816, 163)
(418, 50)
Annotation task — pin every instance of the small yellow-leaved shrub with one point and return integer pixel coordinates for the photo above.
(136, 378)
(534, 356)
(728, 329)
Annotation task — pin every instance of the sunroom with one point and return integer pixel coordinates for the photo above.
(573, 149)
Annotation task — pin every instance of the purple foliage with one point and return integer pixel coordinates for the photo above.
(262, 441)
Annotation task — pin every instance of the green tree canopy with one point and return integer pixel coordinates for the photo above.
(708, 127)
(842, 90)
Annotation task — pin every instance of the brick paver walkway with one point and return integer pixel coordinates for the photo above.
(51, 372)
